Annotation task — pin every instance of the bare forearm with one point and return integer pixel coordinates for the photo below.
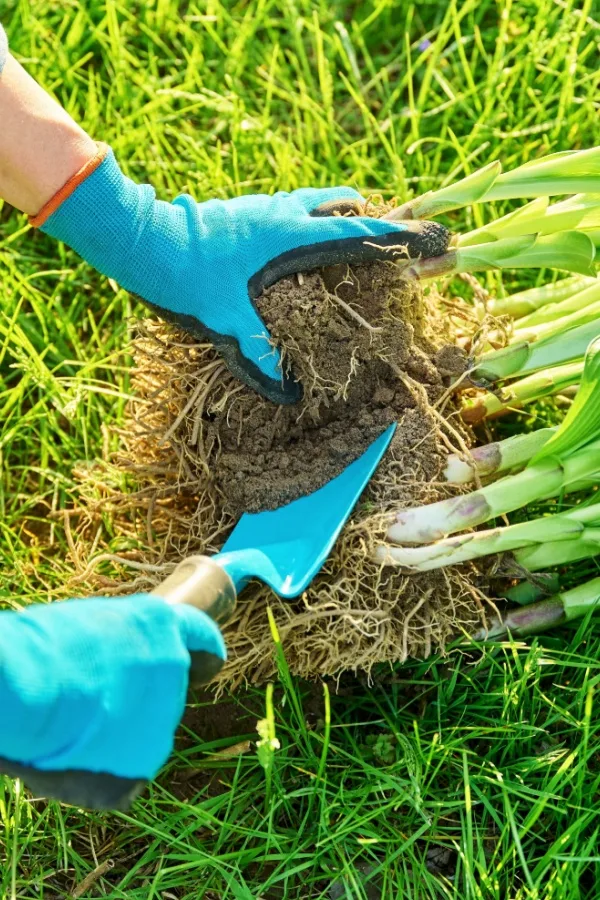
(41, 147)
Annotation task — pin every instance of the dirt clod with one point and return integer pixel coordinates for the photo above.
(270, 455)
(451, 361)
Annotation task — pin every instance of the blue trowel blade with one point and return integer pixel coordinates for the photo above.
(286, 547)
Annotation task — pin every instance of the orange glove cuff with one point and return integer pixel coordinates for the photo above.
(67, 189)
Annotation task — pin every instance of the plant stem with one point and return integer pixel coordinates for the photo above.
(588, 312)
(454, 196)
(497, 457)
(434, 267)
(554, 553)
(519, 393)
(538, 481)
(527, 302)
(556, 610)
(526, 357)
(564, 527)
(538, 217)
(543, 585)
(565, 307)
(569, 250)
(570, 172)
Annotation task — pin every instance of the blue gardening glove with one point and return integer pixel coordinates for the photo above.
(91, 692)
(201, 265)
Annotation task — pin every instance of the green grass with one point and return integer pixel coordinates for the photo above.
(490, 760)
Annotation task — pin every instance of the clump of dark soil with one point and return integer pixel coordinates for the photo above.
(353, 338)
(198, 448)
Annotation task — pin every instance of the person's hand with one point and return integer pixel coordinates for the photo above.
(91, 692)
(202, 265)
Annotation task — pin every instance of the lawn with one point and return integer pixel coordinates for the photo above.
(473, 776)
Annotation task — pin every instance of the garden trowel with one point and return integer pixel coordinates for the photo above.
(285, 547)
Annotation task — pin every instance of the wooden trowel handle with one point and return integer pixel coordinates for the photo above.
(201, 582)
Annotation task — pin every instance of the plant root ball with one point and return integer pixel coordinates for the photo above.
(199, 448)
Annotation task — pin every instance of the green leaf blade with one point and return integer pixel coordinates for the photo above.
(582, 422)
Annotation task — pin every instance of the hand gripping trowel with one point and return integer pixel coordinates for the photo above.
(284, 547)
